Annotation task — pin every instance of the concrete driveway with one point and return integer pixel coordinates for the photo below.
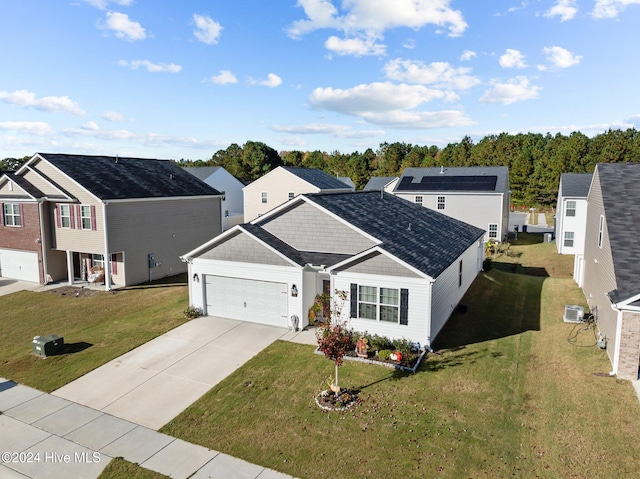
(8, 286)
(155, 382)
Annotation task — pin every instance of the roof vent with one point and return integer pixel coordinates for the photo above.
(116, 159)
(441, 170)
(409, 228)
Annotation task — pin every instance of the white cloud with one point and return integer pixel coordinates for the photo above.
(113, 116)
(225, 77)
(565, 9)
(468, 55)
(357, 47)
(338, 131)
(439, 74)
(151, 67)
(272, 81)
(207, 30)
(512, 59)
(102, 4)
(419, 120)
(611, 8)
(561, 58)
(123, 27)
(516, 89)
(31, 127)
(371, 98)
(91, 126)
(377, 16)
(54, 104)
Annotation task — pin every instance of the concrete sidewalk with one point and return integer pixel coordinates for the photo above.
(46, 437)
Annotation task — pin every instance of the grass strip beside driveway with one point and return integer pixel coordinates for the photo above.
(97, 328)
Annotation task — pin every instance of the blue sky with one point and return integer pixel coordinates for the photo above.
(183, 79)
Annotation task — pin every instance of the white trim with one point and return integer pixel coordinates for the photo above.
(28, 166)
(31, 198)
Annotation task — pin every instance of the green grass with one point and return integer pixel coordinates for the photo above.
(118, 468)
(508, 396)
(99, 328)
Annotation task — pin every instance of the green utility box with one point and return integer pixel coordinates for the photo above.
(47, 345)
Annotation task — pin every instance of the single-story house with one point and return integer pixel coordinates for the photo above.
(402, 268)
(284, 183)
(67, 217)
(476, 195)
(611, 268)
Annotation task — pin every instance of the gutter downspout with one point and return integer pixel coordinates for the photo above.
(107, 257)
(42, 240)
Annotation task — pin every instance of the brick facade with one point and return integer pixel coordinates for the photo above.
(629, 359)
(26, 237)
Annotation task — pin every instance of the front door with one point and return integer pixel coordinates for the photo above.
(326, 293)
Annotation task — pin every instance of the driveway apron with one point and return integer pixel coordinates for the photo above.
(155, 382)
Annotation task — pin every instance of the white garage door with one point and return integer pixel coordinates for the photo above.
(22, 265)
(247, 300)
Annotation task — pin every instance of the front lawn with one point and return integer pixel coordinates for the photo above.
(509, 396)
(97, 328)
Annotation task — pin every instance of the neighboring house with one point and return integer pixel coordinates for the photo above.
(66, 214)
(283, 184)
(571, 218)
(403, 268)
(611, 267)
(229, 186)
(348, 181)
(378, 183)
(479, 196)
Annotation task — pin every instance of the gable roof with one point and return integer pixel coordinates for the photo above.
(424, 239)
(202, 172)
(378, 182)
(621, 198)
(114, 178)
(27, 187)
(575, 185)
(472, 178)
(317, 178)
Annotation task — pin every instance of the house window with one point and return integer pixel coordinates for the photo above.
(440, 202)
(568, 239)
(97, 260)
(65, 216)
(570, 209)
(291, 195)
(493, 230)
(600, 231)
(85, 217)
(385, 305)
(389, 301)
(226, 213)
(367, 302)
(460, 275)
(12, 216)
(264, 196)
(419, 200)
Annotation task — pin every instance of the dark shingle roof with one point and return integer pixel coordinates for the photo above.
(378, 182)
(621, 197)
(575, 185)
(423, 238)
(471, 178)
(111, 178)
(317, 178)
(25, 185)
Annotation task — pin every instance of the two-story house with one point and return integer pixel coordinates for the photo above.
(478, 196)
(611, 269)
(571, 218)
(65, 215)
(285, 183)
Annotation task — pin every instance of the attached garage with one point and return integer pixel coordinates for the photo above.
(20, 265)
(262, 302)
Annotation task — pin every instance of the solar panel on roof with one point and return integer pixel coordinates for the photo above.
(449, 183)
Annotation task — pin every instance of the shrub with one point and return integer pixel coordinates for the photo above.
(192, 312)
(404, 346)
(384, 354)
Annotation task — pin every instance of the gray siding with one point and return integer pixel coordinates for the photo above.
(599, 273)
(244, 249)
(166, 228)
(306, 228)
(378, 263)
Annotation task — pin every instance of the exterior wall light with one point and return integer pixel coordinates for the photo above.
(294, 291)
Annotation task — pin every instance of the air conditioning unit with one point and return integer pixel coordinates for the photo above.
(573, 314)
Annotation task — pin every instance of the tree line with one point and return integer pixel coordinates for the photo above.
(535, 161)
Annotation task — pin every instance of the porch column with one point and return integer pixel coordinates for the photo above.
(70, 267)
(107, 255)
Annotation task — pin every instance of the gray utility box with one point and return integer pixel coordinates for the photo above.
(47, 345)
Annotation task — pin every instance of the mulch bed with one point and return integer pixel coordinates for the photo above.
(74, 291)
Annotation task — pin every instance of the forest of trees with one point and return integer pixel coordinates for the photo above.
(535, 161)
